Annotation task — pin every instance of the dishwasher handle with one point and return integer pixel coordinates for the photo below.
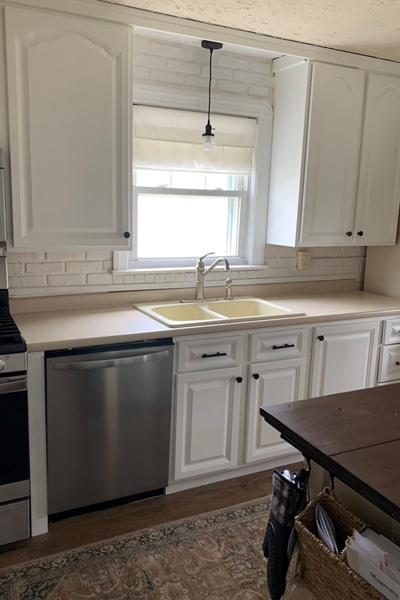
(87, 365)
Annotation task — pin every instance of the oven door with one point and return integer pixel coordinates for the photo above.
(14, 441)
(14, 459)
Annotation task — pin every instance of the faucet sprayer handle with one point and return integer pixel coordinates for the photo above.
(200, 260)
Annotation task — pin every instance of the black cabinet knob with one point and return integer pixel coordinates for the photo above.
(256, 376)
(360, 233)
(239, 379)
(349, 233)
(127, 234)
(321, 338)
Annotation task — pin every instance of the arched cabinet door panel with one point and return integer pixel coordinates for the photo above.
(334, 132)
(379, 179)
(70, 106)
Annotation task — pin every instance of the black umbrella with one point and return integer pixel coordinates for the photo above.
(289, 496)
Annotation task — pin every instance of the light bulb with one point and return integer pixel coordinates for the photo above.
(208, 142)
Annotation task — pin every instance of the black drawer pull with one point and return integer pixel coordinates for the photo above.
(256, 376)
(239, 379)
(213, 355)
(275, 347)
(321, 338)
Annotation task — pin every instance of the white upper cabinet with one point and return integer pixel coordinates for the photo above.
(335, 166)
(70, 107)
(334, 131)
(379, 180)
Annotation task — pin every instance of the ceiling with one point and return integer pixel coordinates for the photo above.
(369, 27)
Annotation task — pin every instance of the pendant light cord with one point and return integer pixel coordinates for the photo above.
(209, 88)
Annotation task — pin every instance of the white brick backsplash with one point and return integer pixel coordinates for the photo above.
(272, 262)
(100, 279)
(198, 55)
(45, 268)
(25, 256)
(218, 73)
(261, 67)
(232, 62)
(248, 77)
(142, 73)
(152, 62)
(196, 82)
(15, 268)
(232, 86)
(168, 77)
(89, 266)
(61, 280)
(183, 67)
(27, 282)
(285, 261)
(99, 255)
(258, 90)
(54, 256)
(140, 45)
(167, 50)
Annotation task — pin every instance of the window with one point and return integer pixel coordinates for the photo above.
(181, 215)
(187, 202)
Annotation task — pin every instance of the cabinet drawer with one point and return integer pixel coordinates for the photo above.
(391, 331)
(209, 353)
(390, 363)
(279, 344)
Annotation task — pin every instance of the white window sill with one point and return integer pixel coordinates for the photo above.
(235, 269)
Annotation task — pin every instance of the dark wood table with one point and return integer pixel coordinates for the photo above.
(354, 435)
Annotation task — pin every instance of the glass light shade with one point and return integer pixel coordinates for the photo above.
(209, 160)
(208, 143)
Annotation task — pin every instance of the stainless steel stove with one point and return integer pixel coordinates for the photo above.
(14, 438)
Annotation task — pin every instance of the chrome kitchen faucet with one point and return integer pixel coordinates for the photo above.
(201, 272)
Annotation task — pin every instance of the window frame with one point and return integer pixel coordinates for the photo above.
(254, 219)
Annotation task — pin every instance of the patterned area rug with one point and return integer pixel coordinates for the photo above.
(215, 556)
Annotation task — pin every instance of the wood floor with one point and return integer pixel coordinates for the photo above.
(94, 527)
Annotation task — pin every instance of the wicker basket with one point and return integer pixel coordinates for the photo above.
(327, 575)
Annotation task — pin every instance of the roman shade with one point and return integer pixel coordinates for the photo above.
(170, 140)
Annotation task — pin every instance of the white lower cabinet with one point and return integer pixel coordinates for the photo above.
(271, 383)
(208, 405)
(217, 423)
(344, 357)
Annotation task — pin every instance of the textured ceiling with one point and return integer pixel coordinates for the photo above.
(369, 27)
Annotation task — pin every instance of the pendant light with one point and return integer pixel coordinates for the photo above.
(208, 136)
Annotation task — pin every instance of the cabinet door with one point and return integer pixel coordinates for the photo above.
(331, 164)
(207, 421)
(272, 383)
(378, 193)
(69, 93)
(344, 358)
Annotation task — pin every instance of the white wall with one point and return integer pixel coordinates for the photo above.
(170, 64)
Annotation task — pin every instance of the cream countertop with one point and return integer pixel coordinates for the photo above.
(51, 330)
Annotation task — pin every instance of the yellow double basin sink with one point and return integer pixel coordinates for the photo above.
(181, 314)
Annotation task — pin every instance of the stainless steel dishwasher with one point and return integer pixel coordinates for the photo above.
(108, 423)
